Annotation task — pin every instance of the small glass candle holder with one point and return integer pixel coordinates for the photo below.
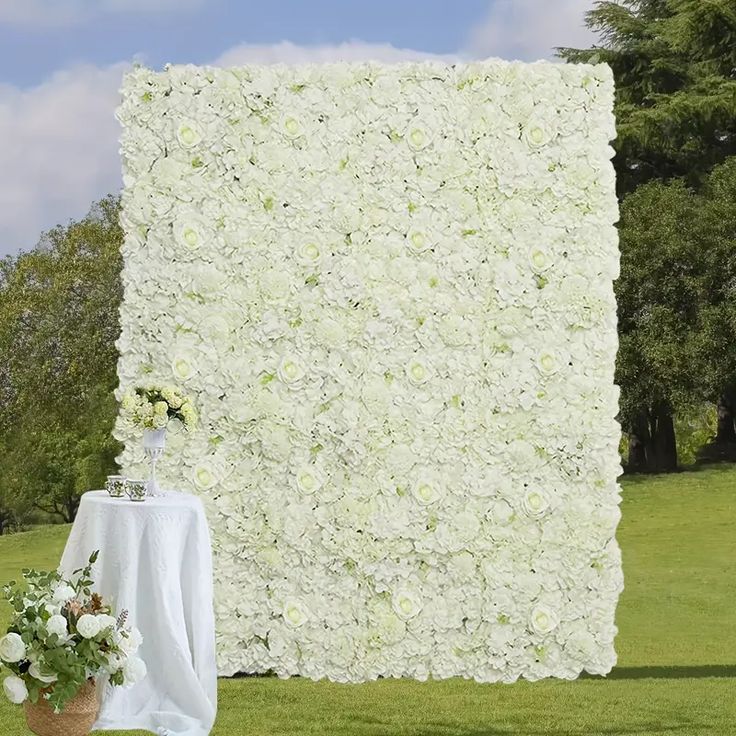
(136, 489)
(115, 485)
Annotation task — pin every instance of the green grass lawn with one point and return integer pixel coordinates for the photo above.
(677, 645)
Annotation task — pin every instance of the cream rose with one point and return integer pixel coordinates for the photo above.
(542, 619)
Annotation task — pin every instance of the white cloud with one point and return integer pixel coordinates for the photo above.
(530, 29)
(59, 152)
(54, 13)
(290, 53)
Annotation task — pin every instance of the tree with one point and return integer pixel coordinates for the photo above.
(674, 62)
(58, 326)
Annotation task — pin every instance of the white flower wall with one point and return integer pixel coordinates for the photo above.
(389, 291)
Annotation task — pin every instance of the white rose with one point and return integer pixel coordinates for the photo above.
(35, 672)
(547, 362)
(187, 134)
(63, 593)
(204, 475)
(57, 625)
(418, 372)
(418, 240)
(425, 491)
(12, 648)
(291, 126)
(188, 233)
(309, 253)
(417, 135)
(183, 366)
(406, 604)
(88, 626)
(535, 503)
(308, 479)
(295, 613)
(290, 371)
(539, 259)
(15, 689)
(134, 670)
(542, 619)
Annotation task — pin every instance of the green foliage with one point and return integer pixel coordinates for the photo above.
(58, 325)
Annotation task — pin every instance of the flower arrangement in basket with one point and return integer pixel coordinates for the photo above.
(152, 407)
(61, 639)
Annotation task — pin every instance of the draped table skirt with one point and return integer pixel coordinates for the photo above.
(155, 562)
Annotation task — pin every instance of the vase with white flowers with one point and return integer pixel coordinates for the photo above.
(62, 639)
(152, 408)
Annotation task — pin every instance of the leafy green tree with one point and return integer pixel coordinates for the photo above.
(674, 62)
(58, 325)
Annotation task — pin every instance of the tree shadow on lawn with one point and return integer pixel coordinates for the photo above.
(665, 672)
(377, 727)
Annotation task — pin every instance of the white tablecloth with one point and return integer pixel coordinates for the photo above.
(156, 562)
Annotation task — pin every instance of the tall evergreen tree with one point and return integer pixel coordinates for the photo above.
(674, 62)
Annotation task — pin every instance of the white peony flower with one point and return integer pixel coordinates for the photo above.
(134, 670)
(88, 626)
(15, 690)
(131, 643)
(12, 648)
(542, 619)
(406, 604)
(57, 625)
(106, 621)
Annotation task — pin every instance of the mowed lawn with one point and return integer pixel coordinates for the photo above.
(677, 645)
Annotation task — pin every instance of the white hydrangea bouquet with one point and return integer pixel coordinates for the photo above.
(61, 636)
(151, 407)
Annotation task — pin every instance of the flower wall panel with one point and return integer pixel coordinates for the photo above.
(389, 291)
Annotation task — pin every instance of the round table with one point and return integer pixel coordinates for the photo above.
(155, 562)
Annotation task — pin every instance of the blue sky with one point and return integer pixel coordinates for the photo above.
(61, 62)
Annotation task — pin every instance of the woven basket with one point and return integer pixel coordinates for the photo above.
(76, 719)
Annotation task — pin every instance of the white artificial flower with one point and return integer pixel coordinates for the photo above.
(539, 258)
(88, 626)
(35, 672)
(406, 603)
(417, 135)
(134, 670)
(63, 593)
(205, 475)
(542, 619)
(106, 621)
(15, 690)
(547, 362)
(57, 624)
(308, 479)
(187, 133)
(419, 239)
(12, 648)
(535, 503)
(295, 613)
(425, 490)
(291, 126)
(309, 253)
(418, 372)
(290, 370)
(130, 643)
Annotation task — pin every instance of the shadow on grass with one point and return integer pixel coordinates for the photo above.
(666, 673)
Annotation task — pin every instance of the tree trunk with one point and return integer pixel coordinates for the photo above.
(726, 431)
(665, 443)
(639, 445)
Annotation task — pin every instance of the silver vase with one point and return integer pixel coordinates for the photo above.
(154, 444)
